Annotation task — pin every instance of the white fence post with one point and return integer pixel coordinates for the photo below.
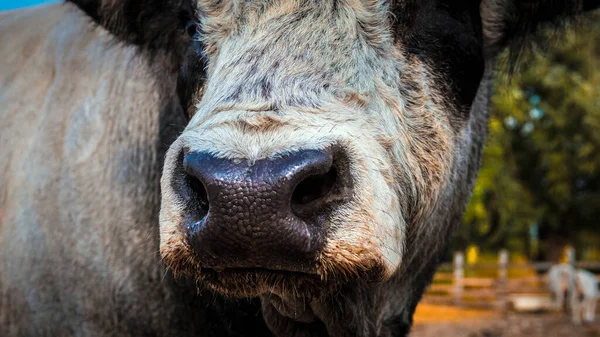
(459, 273)
(571, 256)
(502, 279)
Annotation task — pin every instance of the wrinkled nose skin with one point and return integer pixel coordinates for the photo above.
(265, 215)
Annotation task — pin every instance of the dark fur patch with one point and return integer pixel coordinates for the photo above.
(447, 35)
(157, 26)
(192, 75)
(516, 21)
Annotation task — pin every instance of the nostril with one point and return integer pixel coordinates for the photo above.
(199, 195)
(314, 188)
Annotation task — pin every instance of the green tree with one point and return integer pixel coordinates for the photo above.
(541, 164)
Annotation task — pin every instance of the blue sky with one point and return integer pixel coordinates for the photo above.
(12, 4)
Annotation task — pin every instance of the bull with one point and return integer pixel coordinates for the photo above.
(240, 168)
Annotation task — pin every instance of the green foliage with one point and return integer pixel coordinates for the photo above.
(541, 164)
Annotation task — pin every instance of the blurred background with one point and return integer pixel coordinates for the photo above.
(536, 202)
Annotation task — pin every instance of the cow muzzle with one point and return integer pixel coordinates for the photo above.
(266, 215)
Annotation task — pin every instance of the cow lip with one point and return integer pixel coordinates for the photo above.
(254, 282)
(259, 270)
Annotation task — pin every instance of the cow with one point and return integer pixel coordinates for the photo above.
(586, 287)
(579, 286)
(240, 167)
(559, 280)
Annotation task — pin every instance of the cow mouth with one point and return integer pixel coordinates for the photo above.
(256, 273)
(252, 282)
(256, 270)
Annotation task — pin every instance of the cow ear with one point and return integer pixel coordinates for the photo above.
(154, 25)
(511, 23)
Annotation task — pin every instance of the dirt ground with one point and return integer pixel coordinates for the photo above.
(446, 321)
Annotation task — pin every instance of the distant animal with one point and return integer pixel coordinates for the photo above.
(586, 296)
(577, 288)
(558, 279)
(289, 168)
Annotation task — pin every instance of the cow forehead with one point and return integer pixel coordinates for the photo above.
(226, 17)
(277, 7)
(297, 54)
(343, 42)
(331, 63)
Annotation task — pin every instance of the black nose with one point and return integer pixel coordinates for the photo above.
(266, 214)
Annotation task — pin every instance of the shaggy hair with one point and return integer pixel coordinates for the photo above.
(400, 88)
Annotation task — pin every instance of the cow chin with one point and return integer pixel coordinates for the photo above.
(358, 237)
(254, 282)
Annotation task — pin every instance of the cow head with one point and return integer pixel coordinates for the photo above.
(331, 147)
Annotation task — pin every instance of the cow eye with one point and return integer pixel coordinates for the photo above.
(191, 28)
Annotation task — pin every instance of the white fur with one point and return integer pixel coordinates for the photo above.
(587, 287)
(580, 286)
